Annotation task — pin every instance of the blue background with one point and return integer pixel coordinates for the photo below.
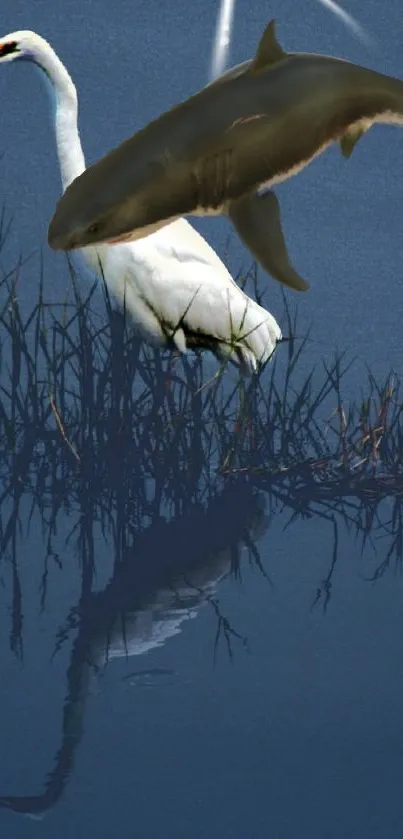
(302, 736)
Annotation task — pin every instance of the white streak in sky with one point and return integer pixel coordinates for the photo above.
(225, 19)
(350, 21)
(222, 38)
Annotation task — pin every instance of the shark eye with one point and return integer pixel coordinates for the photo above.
(94, 228)
(7, 48)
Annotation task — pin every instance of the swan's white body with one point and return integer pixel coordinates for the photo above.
(172, 284)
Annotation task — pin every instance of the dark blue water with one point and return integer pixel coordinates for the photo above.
(196, 667)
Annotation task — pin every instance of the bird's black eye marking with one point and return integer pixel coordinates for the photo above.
(7, 48)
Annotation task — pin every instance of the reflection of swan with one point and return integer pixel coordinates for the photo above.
(174, 568)
(174, 286)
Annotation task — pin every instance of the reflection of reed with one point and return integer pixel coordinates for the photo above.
(120, 436)
(173, 568)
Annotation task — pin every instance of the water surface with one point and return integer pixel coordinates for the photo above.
(183, 652)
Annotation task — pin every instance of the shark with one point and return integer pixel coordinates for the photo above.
(221, 151)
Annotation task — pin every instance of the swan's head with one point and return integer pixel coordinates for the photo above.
(21, 44)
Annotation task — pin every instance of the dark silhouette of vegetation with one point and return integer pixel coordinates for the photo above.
(170, 464)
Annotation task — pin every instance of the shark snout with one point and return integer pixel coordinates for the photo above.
(58, 240)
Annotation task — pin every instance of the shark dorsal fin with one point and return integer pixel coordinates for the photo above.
(269, 50)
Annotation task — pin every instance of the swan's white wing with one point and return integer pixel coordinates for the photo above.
(170, 290)
(183, 242)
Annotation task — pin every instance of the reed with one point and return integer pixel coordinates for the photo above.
(96, 424)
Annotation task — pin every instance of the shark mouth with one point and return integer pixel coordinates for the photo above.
(124, 237)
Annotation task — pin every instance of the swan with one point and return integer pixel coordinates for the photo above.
(174, 287)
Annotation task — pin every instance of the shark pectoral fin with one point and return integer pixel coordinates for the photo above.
(269, 50)
(257, 221)
(350, 139)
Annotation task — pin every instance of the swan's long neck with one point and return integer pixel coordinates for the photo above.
(65, 112)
